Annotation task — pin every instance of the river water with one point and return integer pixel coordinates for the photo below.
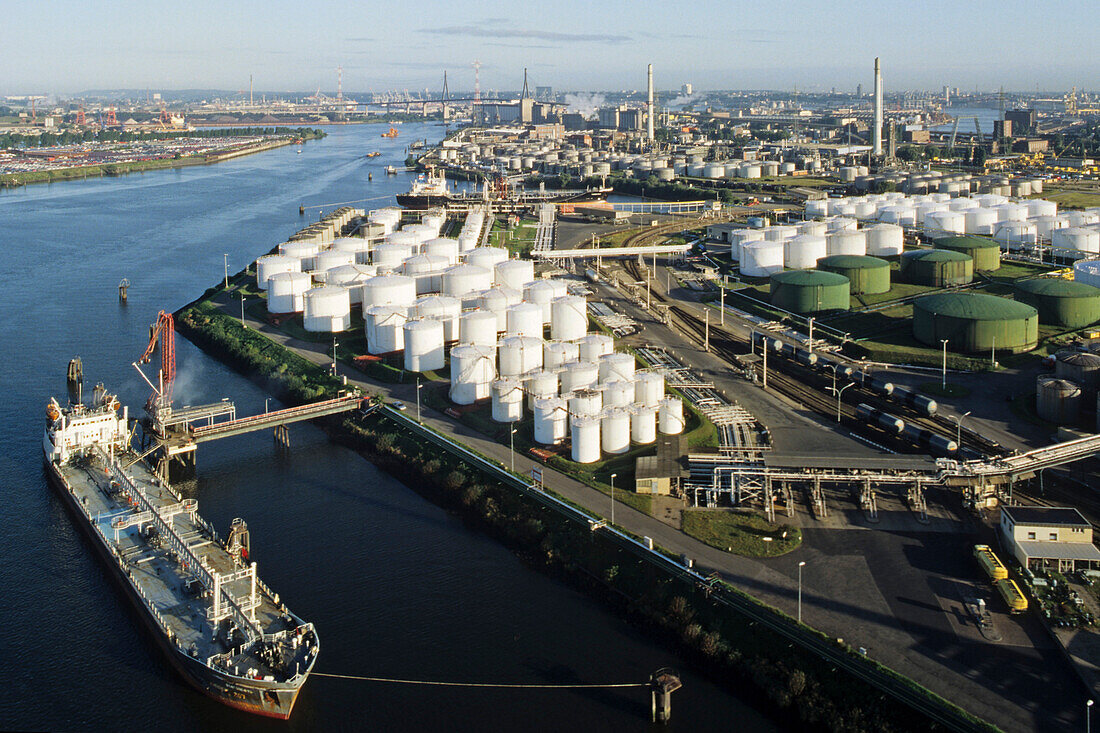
(396, 587)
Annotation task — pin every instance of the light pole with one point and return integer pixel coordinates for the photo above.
(838, 393)
(959, 427)
(801, 565)
(943, 382)
(334, 345)
(226, 258)
(512, 446)
(613, 497)
(811, 335)
(1088, 715)
(418, 386)
(242, 310)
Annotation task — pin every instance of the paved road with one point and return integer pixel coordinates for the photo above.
(876, 589)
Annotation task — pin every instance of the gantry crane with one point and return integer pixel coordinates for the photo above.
(162, 336)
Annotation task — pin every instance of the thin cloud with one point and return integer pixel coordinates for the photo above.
(519, 45)
(360, 39)
(481, 32)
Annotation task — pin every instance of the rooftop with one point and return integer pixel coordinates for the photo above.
(1051, 516)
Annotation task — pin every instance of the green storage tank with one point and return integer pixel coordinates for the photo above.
(1064, 303)
(985, 252)
(975, 322)
(937, 267)
(866, 275)
(809, 291)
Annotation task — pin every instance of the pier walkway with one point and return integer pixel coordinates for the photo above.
(273, 419)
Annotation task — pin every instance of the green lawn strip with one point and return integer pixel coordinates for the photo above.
(741, 533)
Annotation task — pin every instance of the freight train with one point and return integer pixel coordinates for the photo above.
(914, 433)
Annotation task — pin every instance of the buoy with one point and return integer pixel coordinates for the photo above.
(301, 211)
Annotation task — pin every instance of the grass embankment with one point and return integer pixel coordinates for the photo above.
(1071, 194)
(740, 533)
(803, 690)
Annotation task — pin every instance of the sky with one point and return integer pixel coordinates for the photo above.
(65, 46)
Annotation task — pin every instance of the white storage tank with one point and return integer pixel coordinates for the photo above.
(568, 318)
(846, 242)
(540, 383)
(885, 240)
(507, 400)
(424, 345)
(328, 260)
(615, 430)
(443, 247)
(358, 247)
(813, 228)
(519, 355)
(542, 292)
(649, 388)
(443, 308)
(577, 375)
(487, 257)
(740, 237)
(780, 232)
(478, 327)
(390, 255)
(670, 416)
(1081, 218)
(980, 221)
(1041, 207)
(761, 259)
(643, 424)
(557, 353)
(803, 251)
(841, 224)
(586, 439)
(905, 216)
(586, 402)
(618, 393)
(384, 326)
(351, 277)
(461, 280)
(427, 271)
(551, 420)
(306, 252)
(285, 291)
(1076, 241)
(268, 265)
(616, 366)
(326, 310)
(1087, 271)
(497, 300)
(817, 208)
(524, 319)
(1046, 225)
(515, 274)
(1016, 235)
(473, 369)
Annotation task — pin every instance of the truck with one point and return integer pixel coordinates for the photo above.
(990, 563)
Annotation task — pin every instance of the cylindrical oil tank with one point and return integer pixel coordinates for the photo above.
(1045, 226)
(649, 388)
(540, 383)
(780, 232)
(936, 267)
(841, 224)
(487, 257)
(980, 221)
(423, 345)
(519, 355)
(551, 420)
(813, 228)
(740, 237)
(615, 430)
(351, 277)
(507, 400)
(514, 274)
(427, 271)
(588, 402)
(866, 275)
(1081, 218)
(443, 308)
(945, 223)
(643, 424)
(1063, 303)
(1075, 242)
(388, 290)
(461, 280)
(1080, 367)
(616, 366)
(473, 369)
(390, 255)
(593, 346)
(326, 310)
(809, 291)
(985, 253)
(884, 240)
(817, 208)
(478, 327)
(1016, 235)
(568, 318)
(1041, 207)
(358, 247)
(618, 393)
(542, 292)
(268, 265)
(1057, 400)
(586, 439)
(384, 326)
(900, 215)
(329, 259)
(975, 322)
(803, 251)
(286, 291)
(498, 300)
(761, 259)
(846, 242)
(670, 416)
(577, 375)
(557, 353)
(524, 319)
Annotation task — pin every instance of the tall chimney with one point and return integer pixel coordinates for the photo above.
(876, 149)
(649, 107)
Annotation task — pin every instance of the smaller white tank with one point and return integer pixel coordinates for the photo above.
(643, 424)
(618, 393)
(388, 290)
(670, 416)
(846, 242)
(813, 228)
(615, 430)
(1041, 207)
(442, 247)
(586, 402)
(1046, 225)
(443, 308)
(568, 318)
(885, 240)
(540, 383)
(424, 345)
(616, 366)
(286, 290)
(980, 221)
(326, 310)
(507, 401)
(478, 327)
(557, 353)
(384, 326)
(1076, 241)
(779, 233)
(1016, 235)
(542, 292)
(586, 439)
(487, 257)
(519, 355)
(841, 224)
(740, 237)
(817, 208)
(577, 375)
(390, 255)
(524, 319)
(515, 274)
(473, 369)
(761, 259)
(649, 388)
(351, 277)
(594, 345)
(268, 265)
(551, 420)
(803, 251)
(461, 280)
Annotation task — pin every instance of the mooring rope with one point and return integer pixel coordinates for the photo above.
(437, 683)
(345, 203)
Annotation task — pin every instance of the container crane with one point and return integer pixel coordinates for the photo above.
(162, 336)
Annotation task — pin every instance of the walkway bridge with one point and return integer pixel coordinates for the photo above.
(266, 420)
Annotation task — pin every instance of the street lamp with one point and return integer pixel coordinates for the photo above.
(511, 445)
(334, 345)
(811, 334)
(943, 383)
(801, 565)
(1088, 715)
(838, 393)
(418, 386)
(613, 497)
(226, 258)
(958, 426)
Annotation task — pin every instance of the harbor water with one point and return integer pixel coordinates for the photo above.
(396, 587)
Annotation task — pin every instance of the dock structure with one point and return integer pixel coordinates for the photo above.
(274, 419)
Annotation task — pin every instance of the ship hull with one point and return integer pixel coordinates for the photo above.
(254, 696)
(427, 201)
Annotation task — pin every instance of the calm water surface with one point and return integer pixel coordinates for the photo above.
(396, 587)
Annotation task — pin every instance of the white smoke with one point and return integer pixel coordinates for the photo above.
(683, 100)
(585, 103)
(188, 388)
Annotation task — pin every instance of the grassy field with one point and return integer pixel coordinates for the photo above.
(741, 533)
(1072, 195)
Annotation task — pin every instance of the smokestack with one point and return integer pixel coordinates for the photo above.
(649, 107)
(876, 148)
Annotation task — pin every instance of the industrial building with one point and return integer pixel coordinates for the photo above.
(1063, 303)
(1049, 538)
(810, 291)
(975, 322)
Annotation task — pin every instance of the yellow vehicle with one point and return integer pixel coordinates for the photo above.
(1014, 597)
(990, 563)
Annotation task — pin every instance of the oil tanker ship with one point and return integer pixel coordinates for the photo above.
(222, 629)
(430, 190)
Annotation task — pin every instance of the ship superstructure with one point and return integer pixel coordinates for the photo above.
(430, 189)
(223, 629)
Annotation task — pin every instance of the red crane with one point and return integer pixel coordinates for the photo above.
(162, 334)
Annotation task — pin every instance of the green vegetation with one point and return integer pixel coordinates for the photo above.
(741, 533)
(14, 139)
